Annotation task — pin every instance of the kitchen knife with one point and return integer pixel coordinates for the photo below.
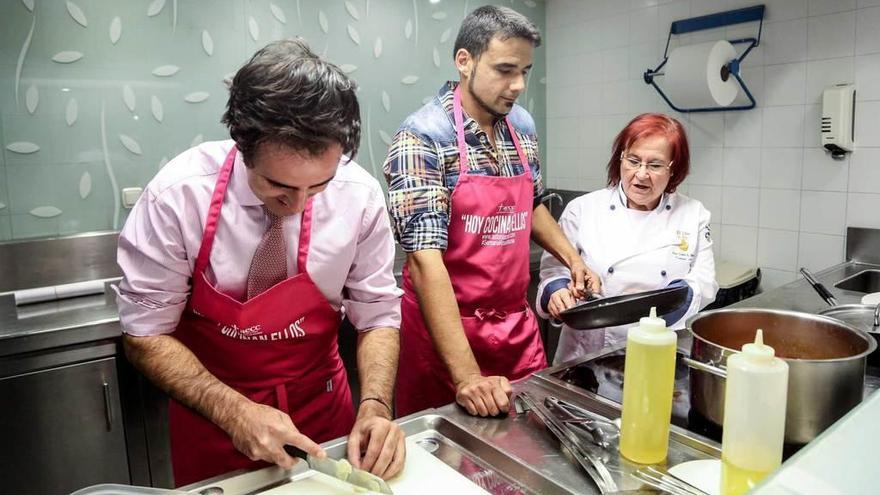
(342, 470)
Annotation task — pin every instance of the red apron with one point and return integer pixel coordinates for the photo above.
(278, 348)
(487, 259)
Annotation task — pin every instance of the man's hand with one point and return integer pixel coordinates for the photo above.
(560, 300)
(484, 395)
(583, 280)
(260, 432)
(376, 444)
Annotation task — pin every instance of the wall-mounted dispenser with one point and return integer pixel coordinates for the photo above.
(706, 77)
(838, 119)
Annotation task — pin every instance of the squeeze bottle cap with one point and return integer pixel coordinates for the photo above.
(652, 323)
(758, 350)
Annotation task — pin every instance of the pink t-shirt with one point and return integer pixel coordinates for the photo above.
(351, 255)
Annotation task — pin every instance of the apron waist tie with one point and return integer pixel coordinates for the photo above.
(496, 314)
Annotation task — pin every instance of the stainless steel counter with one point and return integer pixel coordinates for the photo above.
(516, 453)
(799, 296)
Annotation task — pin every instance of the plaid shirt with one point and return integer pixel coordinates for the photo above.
(422, 167)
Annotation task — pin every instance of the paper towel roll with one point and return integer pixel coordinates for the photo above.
(693, 78)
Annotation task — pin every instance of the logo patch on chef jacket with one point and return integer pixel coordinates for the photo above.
(681, 251)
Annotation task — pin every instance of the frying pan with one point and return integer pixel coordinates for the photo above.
(620, 310)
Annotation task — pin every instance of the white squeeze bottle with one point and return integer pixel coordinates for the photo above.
(754, 416)
(648, 379)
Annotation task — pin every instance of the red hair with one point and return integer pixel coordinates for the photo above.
(649, 125)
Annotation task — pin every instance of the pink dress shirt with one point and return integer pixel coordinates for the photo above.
(352, 248)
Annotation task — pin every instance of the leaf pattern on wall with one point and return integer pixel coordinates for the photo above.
(67, 57)
(46, 212)
(115, 30)
(530, 3)
(196, 97)
(162, 163)
(322, 21)
(32, 99)
(410, 79)
(70, 113)
(28, 4)
(436, 57)
(166, 70)
(2, 206)
(352, 10)
(85, 185)
(386, 101)
(156, 108)
(128, 97)
(77, 14)
(278, 13)
(22, 54)
(199, 139)
(130, 144)
(444, 37)
(353, 34)
(23, 147)
(253, 29)
(348, 68)
(155, 7)
(385, 137)
(408, 29)
(438, 16)
(377, 48)
(207, 43)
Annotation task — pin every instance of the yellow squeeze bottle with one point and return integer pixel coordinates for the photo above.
(754, 417)
(648, 379)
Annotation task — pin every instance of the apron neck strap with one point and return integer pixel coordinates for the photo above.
(214, 212)
(204, 256)
(458, 117)
(305, 236)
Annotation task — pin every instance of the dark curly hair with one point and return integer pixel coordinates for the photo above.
(288, 95)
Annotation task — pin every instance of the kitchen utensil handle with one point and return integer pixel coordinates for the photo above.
(826, 295)
(108, 409)
(294, 451)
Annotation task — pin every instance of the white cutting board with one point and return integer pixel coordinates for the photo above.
(423, 474)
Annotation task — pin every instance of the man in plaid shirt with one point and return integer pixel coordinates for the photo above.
(464, 194)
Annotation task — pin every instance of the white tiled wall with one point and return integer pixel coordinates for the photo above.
(777, 199)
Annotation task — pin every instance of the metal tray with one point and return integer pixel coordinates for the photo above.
(114, 489)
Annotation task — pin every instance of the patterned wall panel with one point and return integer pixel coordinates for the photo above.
(97, 95)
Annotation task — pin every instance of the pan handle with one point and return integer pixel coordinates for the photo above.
(831, 300)
(708, 368)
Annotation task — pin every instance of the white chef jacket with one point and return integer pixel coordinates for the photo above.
(633, 251)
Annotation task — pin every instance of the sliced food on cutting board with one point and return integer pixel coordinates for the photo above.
(423, 474)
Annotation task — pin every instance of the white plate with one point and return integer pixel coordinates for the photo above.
(872, 298)
(704, 474)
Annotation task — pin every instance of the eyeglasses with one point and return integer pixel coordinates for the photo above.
(655, 167)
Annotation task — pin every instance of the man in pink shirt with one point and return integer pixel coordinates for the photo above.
(240, 259)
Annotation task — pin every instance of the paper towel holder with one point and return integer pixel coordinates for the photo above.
(712, 21)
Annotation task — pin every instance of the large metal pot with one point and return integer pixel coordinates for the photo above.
(826, 360)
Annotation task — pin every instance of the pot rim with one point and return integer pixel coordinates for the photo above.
(869, 339)
(855, 306)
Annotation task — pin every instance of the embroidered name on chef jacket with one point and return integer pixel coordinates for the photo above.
(499, 229)
(293, 331)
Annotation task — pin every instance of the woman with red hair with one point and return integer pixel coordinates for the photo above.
(638, 234)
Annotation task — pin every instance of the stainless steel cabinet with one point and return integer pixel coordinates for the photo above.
(61, 429)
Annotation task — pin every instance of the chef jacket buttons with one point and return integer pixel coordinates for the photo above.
(610, 269)
(612, 207)
(668, 207)
(663, 273)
